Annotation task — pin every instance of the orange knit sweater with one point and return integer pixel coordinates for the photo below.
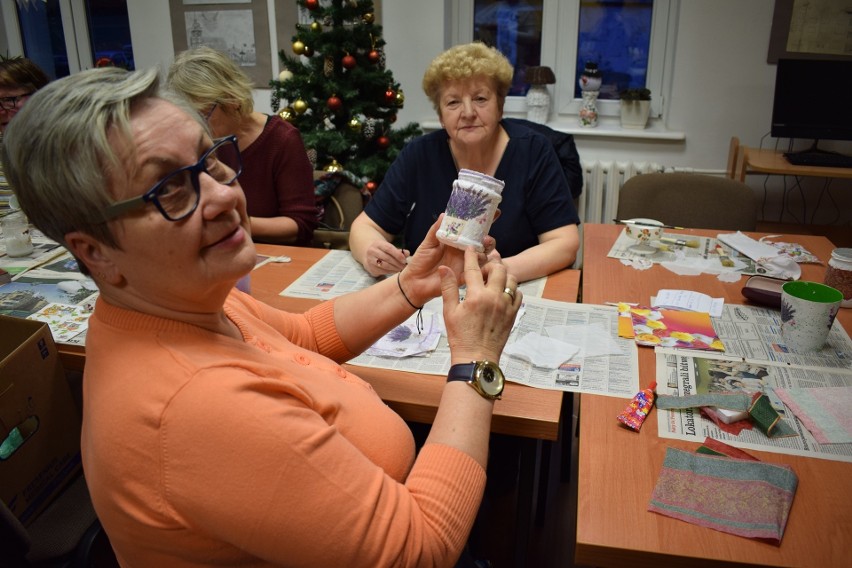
(201, 450)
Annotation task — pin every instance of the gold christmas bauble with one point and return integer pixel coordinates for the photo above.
(400, 98)
(286, 113)
(334, 166)
(355, 124)
(316, 27)
(300, 106)
(298, 47)
(369, 17)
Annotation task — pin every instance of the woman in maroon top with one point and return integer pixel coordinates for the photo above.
(277, 176)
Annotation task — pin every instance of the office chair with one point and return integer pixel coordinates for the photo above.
(692, 201)
(341, 208)
(67, 534)
(734, 157)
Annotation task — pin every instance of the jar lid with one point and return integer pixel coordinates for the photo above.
(844, 254)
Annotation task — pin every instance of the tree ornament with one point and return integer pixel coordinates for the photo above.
(312, 158)
(334, 103)
(371, 186)
(300, 106)
(334, 166)
(316, 27)
(369, 128)
(349, 61)
(355, 124)
(390, 96)
(286, 113)
(329, 125)
(309, 51)
(285, 75)
(298, 47)
(400, 98)
(374, 56)
(328, 67)
(311, 4)
(368, 18)
(353, 3)
(383, 142)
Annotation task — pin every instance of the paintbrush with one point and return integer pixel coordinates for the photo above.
(724, 258)
(641, 224)
(680, 242)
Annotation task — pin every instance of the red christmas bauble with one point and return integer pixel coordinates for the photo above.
(311, 4)
(371, 186)
(374, 56)
(334, 103)
(390, 96)
(383, 142)
(348, 61)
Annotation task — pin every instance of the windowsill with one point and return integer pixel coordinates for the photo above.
(608, 127)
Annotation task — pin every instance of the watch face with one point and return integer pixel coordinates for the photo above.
(490, 378)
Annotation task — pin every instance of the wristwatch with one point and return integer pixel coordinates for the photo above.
(485, 377)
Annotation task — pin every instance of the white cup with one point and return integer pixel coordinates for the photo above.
(470, 210)
(16, 234)
(808, 310)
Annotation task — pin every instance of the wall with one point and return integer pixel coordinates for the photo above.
(721, 86)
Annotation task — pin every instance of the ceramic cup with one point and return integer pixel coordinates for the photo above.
(643, 230)
(807, 313)
(470, 210)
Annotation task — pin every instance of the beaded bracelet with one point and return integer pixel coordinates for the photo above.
(419, 319)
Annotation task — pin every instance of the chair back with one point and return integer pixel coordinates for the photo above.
(341, 208)
(693, 201)
(733, 157)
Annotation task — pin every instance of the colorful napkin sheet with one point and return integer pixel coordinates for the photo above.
(758, 406)
(824, 411)
(744, 497)
(674, 328)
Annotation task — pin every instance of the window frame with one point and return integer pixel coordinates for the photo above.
(560, 26)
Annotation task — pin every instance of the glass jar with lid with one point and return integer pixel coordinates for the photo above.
(839, 274)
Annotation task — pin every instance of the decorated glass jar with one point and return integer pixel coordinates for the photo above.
(838, 275)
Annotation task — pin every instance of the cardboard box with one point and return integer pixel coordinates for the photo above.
(39, 421)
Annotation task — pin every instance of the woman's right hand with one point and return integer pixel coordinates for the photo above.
(479, 326)
(382, 258)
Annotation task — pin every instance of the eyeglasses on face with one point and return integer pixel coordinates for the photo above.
(11, 103)
(177, 195)
(210, 112)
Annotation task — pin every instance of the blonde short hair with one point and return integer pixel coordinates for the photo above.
(463, 62)
(206, 77)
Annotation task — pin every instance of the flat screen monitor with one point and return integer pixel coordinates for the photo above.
(813, 99)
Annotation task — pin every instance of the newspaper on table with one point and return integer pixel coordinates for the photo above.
(755, 359)
(338, 273)
(609, 375)
(706, 250)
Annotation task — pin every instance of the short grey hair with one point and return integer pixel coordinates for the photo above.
(58, 152)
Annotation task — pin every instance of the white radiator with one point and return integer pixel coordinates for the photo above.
(601, 183)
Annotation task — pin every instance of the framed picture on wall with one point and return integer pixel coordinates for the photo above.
(239, 28)
(809, 29)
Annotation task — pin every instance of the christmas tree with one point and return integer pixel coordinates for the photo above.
(339, 93)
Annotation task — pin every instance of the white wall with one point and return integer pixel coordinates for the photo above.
(722, 85)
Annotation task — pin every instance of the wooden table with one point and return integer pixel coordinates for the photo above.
(757, 161)
(618, 469)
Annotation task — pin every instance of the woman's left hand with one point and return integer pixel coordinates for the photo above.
(421, 279)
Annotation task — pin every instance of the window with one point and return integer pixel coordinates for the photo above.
(65, 36)
(628, 39)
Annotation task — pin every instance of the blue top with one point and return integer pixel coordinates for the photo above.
(416, 188)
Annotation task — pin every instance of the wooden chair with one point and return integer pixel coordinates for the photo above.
(734, 157)
(692, 201)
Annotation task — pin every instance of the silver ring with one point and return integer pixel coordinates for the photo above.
(510, 293)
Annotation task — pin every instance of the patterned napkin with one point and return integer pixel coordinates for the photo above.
(738, 496)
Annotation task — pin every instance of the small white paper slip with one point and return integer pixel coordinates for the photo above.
(753, 249)
(541, 351)
(688, 300)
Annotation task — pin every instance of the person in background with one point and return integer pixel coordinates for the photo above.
(278, 177)
(218, 430)
(19, 79)
(536, 231)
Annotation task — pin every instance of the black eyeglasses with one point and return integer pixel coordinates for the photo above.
(11, 103)
(177, 194)
(210, 112)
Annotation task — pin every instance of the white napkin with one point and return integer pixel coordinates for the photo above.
(541, 351)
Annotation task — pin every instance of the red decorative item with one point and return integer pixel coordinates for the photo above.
(374, 56)
(311, 4)
(371, 186)
(334, 103)
(383, 142)
(349, 61)
(390, 96)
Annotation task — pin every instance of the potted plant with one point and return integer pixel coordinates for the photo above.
(635, 107)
